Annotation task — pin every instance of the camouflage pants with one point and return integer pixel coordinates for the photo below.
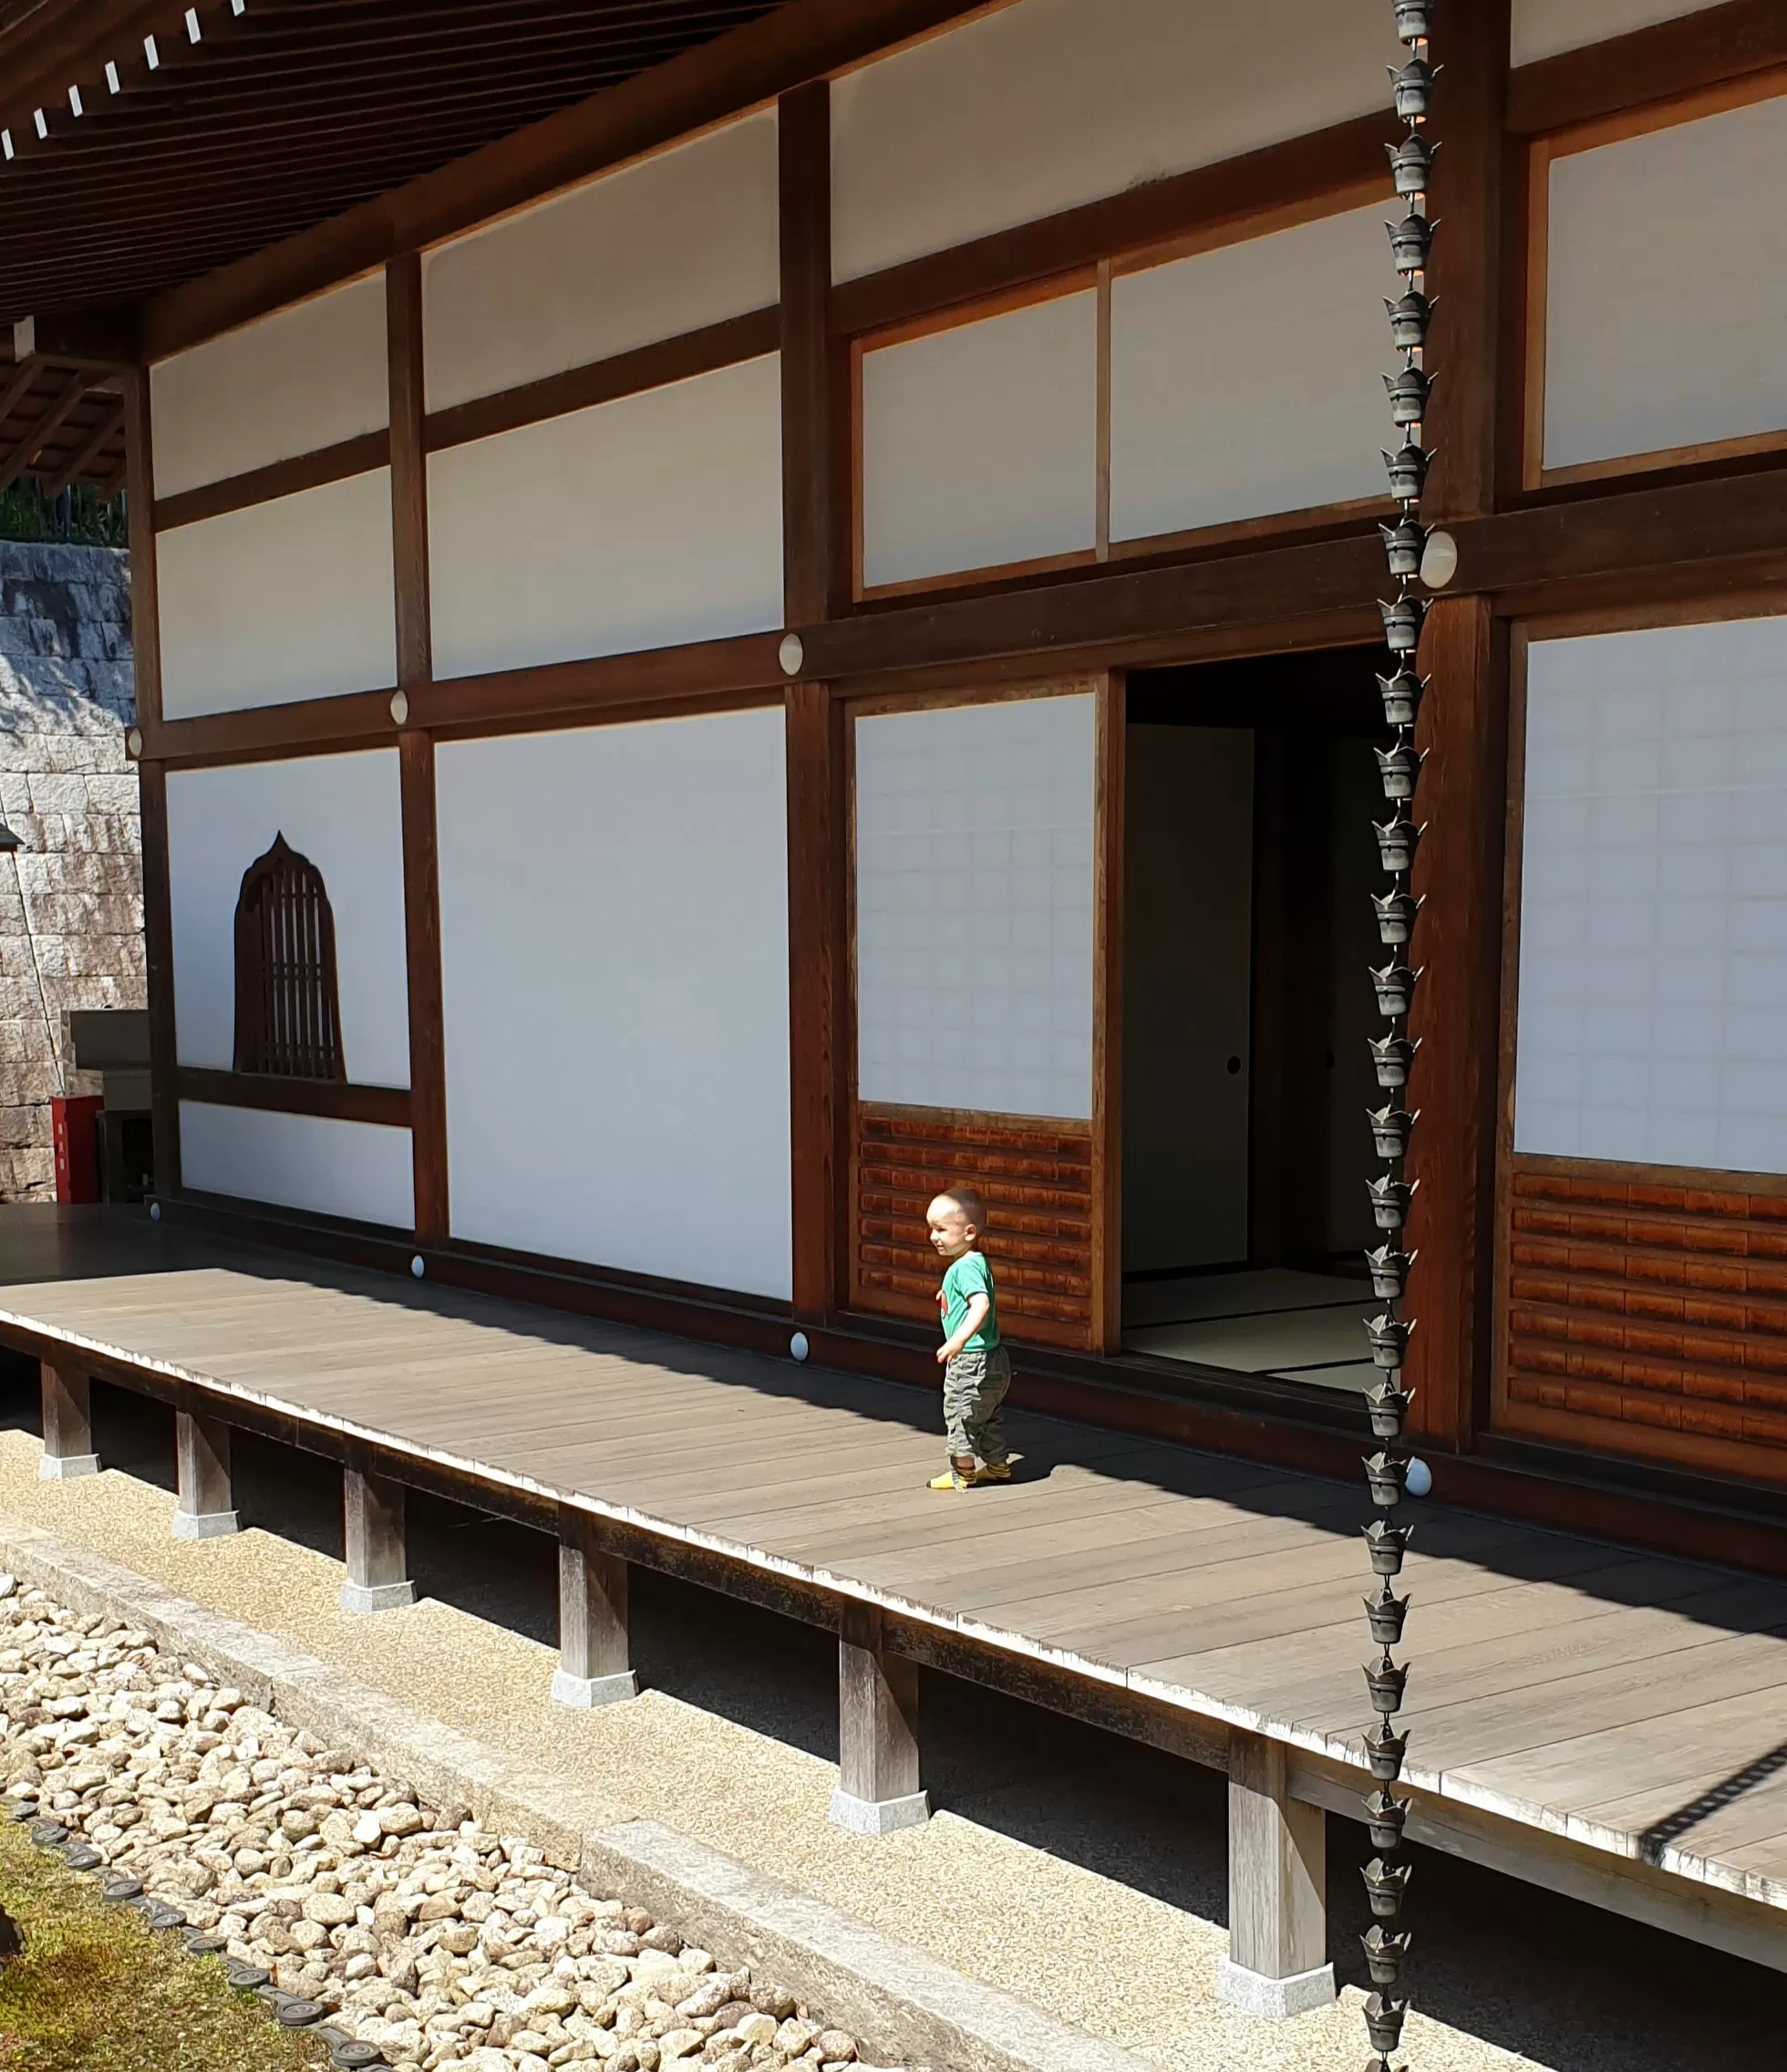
(973, 1386)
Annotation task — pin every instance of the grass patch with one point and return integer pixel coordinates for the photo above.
(97, 1990)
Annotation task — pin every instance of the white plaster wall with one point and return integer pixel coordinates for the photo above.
(1653, 963)
(973, 906)
(361, 1170)
(636, 523)
(684, 239)
(279, 601)
(1667, 296)
(1541, 28)
(613, 920)
(344, 813)
(1050, 103)
(1208, 425)
(300, 379)
(980, 443)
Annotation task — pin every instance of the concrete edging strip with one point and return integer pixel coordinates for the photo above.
(901, 2001)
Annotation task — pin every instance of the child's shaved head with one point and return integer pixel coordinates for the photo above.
(968, 1200)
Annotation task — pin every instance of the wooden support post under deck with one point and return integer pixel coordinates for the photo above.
(878, 1789)
(595, 1662)
(67, 1425)
(202, 1450)
(377, 1567)
(1277, 1885)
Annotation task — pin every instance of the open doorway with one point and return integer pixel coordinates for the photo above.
(1250, 791)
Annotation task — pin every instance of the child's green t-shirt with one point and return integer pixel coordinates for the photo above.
(968, 1276)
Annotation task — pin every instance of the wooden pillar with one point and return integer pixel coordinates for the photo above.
(204, 1509)
(67, 1425)
(1278, 1884)
(595, 1662)
(377, 1565)
(878, 1789)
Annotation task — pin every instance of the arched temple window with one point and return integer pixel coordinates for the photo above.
(288, 1014)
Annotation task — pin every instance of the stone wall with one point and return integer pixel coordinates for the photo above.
(71, 910)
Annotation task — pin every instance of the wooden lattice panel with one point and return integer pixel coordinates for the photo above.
(1036, 1179)
(1646, 1311)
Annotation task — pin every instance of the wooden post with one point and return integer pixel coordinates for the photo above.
(1278, 1884)
(67, 1425)
(201, 1451)
(595, 1662)
(878, 1789)
(377, 1569)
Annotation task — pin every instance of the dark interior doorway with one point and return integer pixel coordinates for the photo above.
(1250, 794)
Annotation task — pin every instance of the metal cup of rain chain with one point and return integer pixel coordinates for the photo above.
(1385, 1683)
(1413, 18)
(1389, 1405)
(1402, 697)
(1397, 839)
(1410, 241)
(1385, 1474)
(1402, 622)
(1408, 393)
(1385, 1612)
(1386, 1817)
(1407, 469)
(1410, 316)
(1390, 1272)
(1384, 1750)
(1388, 1544)
(1390, 1338)
(1414, 85)
(1411, 164)
(1397, 912)
(1385, 1955)
(1391, 1058)
(1395, 989)
(1383, 2023)
(1389, 1132)
(1398, 770)
(1404, 545)
(1389, 1201)
(1384, 1884)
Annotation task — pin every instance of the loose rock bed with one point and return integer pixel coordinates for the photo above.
(401, 1933)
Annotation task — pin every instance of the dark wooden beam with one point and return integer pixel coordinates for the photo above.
(802, 40)
(17, 387)
(279, 478)
(1458, 941)
(25, 451)
(818, 971)
(410, 478)
(332, 1097)
(103, 340)
(1238, 197)
(814, 575)
(1663, 62)
(88, 453)
(421, 929)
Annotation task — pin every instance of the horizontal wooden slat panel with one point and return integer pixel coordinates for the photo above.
(1037, 1177)
(1647, 1309)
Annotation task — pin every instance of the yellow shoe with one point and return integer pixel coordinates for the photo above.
(994, 1471)
(952, 1479)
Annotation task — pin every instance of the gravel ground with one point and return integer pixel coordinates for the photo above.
(399, 1931)
(1107, 1918)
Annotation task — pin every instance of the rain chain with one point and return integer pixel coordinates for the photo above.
(1388, 1470)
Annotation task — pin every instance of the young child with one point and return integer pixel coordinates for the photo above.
(976, 1367)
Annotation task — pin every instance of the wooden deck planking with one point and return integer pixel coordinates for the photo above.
(1560, 1684)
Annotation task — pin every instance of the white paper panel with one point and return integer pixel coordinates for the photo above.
(1050, 103)
(343, 811)
(1541, 28)
(1653, 965)
(677, 241)
(279, 601)
(638, 524)
(362, 1170)
(614, 921)
(973, 906)
(980, 443)
(301, 379)
(1667, 302)
(1207, 426)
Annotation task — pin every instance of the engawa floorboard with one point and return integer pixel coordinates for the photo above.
(1637, 1703)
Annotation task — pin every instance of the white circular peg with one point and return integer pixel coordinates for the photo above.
(1438, 561)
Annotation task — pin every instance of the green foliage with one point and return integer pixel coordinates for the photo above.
(81, 517)
(96, 1990)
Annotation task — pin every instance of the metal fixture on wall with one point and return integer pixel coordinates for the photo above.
(1388, 1470)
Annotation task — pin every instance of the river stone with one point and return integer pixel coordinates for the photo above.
(330, 1910)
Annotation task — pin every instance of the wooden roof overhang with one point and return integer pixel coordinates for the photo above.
(145, 143)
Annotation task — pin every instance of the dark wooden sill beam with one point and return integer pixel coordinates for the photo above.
(330, 1097)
